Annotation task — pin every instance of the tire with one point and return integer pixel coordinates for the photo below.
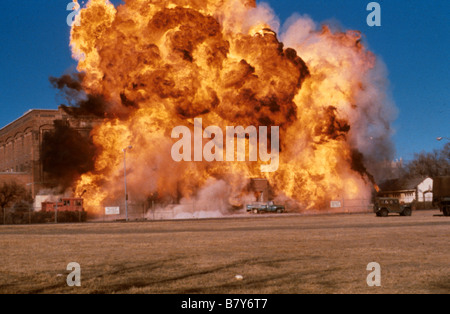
(279, 211)
(407, 212)
(255, 211)
(384, 212)
(446, 211)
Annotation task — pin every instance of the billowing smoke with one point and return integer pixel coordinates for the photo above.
(79, 103)
(148, 67)
(211, 201)
(65, 156)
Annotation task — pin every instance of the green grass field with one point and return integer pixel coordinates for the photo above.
(275, 255)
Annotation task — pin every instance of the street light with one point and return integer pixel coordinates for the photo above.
(442, 138)
(125, 178)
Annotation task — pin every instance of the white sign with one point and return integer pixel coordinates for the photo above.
(112, 210)
(336, 204)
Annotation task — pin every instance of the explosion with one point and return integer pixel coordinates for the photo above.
(150, 66)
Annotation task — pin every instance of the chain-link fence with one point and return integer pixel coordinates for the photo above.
(11, 217)
(188, 210)
(333, 206)
(216, 209)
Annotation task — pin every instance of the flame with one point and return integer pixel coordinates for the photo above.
(377, 188)
(160, 64)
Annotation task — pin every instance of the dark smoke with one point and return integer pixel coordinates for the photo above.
(71, 82)
(358, 165)
(81, 104)
(332, 127)
(66, 154)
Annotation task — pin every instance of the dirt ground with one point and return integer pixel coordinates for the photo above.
(275, 254)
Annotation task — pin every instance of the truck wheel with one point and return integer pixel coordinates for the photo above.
(446, 211)
(255, 211)
(407, 212)
(279, 211)
(384, 212)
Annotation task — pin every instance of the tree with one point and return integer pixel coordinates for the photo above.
(10, 193)
(434, 164)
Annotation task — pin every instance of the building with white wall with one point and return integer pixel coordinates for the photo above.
(408, 190)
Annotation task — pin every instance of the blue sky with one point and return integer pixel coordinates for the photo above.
(413, 41)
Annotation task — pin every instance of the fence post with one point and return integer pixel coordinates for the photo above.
(153, 209)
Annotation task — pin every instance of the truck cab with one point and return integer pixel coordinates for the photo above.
(269, 207)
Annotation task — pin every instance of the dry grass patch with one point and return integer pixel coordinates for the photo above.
(280, 254)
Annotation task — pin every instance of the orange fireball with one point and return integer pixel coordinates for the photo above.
(161, 64)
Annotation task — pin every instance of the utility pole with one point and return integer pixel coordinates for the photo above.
(125, 179)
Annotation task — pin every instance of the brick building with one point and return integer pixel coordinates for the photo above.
(21, 144)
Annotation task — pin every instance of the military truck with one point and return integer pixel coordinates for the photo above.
(269, 207)
(384, 206)
(441, 194)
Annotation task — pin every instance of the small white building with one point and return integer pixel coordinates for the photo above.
(408, 190)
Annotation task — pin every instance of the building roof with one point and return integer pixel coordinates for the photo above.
(403, 184)
(5, 128)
